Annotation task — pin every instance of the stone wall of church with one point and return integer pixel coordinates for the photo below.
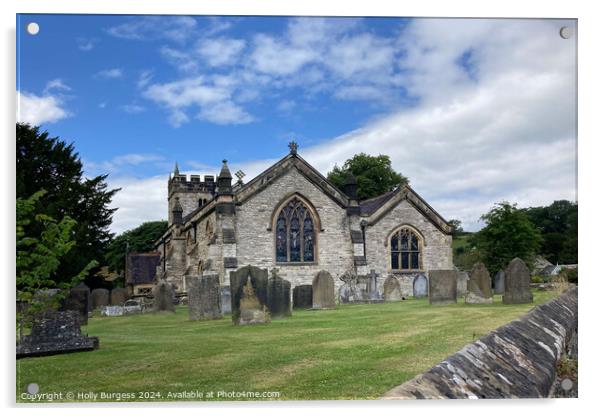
(436, 254)
(255, 245)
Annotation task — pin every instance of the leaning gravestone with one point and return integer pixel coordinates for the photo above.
(516, 285)
(55, 332)
(302, 297)
(258, 279)
(163, 297)
(462, 283)
(204, 297)
(118, 296)
(78, 300)
(392, 289)
(498, 282)
(442, 287)
(279, 296)
(100, 298)
(420, 286)
(479, 285)
(225, 300)
(323, 291)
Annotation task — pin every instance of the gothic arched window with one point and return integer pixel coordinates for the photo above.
(405, 250)
(295, 235)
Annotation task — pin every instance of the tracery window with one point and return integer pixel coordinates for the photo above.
(405, 250)
(295, 235)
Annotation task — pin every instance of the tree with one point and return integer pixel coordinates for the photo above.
(51, 164)
(557, 224)
(374, 175)
(456, 226)
(508, 234)
(139, 240)
(40, 255)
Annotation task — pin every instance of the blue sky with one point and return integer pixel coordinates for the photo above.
(473, 111)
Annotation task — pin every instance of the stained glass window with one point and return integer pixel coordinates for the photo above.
(295, 239)
(405, 250)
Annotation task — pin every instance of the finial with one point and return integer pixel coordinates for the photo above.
(176, 170)
(293, 146)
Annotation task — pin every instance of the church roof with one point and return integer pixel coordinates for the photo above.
(368, 206)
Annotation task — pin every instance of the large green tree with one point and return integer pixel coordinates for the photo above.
(508, 233)
(45, 162)
(136, 240)
(557, 224)
(374, 175)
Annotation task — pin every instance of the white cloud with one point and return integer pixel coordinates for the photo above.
(86, 44)
(111, 73)
(220, 51)
(144, 78)
(133, 108)
(36, 109)
(118, 164)
(56, 84)
(173, 28)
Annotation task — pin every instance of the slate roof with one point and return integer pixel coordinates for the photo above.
(142, 268)
(369, 206)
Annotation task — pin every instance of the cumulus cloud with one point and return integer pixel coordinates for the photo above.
(86, 44)
(220, 51)
(57, 85)
(173, 28)
(133, 108)
(39, 109)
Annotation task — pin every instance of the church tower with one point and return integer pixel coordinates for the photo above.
(189, 193)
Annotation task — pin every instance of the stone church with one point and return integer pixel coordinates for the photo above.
(290, 217)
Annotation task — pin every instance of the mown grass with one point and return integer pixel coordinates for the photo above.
(352, 352)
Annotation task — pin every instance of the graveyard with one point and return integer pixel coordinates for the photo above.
(354, 351)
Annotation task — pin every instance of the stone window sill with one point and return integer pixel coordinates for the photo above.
(297, 263)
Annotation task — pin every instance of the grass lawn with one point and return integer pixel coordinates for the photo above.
(352, 352)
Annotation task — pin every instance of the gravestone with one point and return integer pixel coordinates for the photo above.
(302, 297)
(516, 283)
(118, 296)
(163, 297)
(279, 296)
(479, 285)
(323, 291)
(442, 287)
(225, 300)
(372, 287)
(55, 332)
(112, 310)
(420, 286)
(251, 310)
(462, 283)
(78, 300)
(258, 279)
(204, 297)
(498, 282)
(392, 289)
(100, 298)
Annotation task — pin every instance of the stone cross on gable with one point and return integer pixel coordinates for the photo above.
(293, 146)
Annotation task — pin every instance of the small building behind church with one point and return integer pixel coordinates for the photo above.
(290, 217)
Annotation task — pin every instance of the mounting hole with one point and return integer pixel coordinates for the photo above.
(33, 388)
(566, 32)
(33, 28)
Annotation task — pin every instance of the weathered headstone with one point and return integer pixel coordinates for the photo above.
(163, 297)
(498, 282)
(251, 310)
(258, 279)
(78, 300)
(226, 300)
(55, 332)
(420, 286)
(516, 285)
(462, 283)
(442, 287)
(302, 297)
(204, 297)
(392, 289)
(479, 285)
(372, 286)
(118, 296)
(112, 310)
(323, 291)
(279, 296)
(100, 297)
